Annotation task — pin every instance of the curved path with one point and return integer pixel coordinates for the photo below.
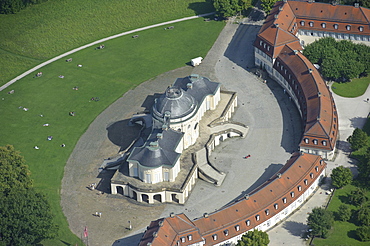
(96, 43)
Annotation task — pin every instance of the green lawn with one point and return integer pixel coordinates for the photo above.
(343, 233)
(107, 74)
(45, 30)
(355, 88)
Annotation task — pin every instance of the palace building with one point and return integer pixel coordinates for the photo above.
(278, 51)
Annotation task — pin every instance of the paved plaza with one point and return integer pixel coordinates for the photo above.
(274, 133)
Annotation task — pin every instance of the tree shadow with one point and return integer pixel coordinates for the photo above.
(295, 228)
(358, 122)
(202, 7)
(64, 242)
(352, 234)
(345, 199)
(344, 146)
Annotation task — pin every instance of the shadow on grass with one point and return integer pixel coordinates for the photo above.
(345, 199)
(202, 7)
(122, 134)
(295, 228)
(352, 234)
(62, 242)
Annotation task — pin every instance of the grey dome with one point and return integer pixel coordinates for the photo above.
(176, 101)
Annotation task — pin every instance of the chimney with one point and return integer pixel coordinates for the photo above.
(276, 25)
(246, 197)
(189, 85)
(159, 135)
(319, 94)
(172, 215)
(205, 215)
(278, 175)
(155, 234)
(280, 8)
(160, 223)
(295, 52)
(154, 144)
(276, 16)
(310, 70)
(357, 5)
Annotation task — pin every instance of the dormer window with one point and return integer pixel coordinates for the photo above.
(284, 200)
(306, 140)
(276, 206)
(323, 25)
(302, 23)
(267, 211)
(182, 239)
(315, 141)
(324, 143)
(268, 48)
(361, 28)
(292, 194)
(226, 232)
(336, 26)
(257, 217)
(248, 222)
(190, 237)
(299, 188)
(311, 23)
(348, 27)
(237, 228)
(214, 236)
(305, 182)
(311, 175)
(317, 169)
(261, 43)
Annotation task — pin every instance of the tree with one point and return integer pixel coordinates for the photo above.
(363, 233)
(320, 221)
(358, 139)
(228, 8)
(363, 216)
(14, 174)
(344, 212)
(25, 218)
(341, 177)
(254, 238)
(267, 5)
(358, 197)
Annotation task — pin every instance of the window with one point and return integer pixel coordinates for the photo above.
(348, 27)
(302, 23)
(214, 236)
(190, 237)
(267, 212)
(284, 200)
(257, 217)
(248, 222)
(226, 232)
(321, 162)
(299, 188)
(276, 206)
(305, 182)
(182, 239)
(361, 28)
(323, 25)
(261, 43)
(315, 141)
(311, 23)
(268, 48)
(237, 228)
(311, 175)
(292, 194)
(335, 26)
(306, 140)
(317, 169)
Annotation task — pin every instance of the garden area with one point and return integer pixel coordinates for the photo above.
(39, 107)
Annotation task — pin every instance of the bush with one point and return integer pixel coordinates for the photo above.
(344, 212)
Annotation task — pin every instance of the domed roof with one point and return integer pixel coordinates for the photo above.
(175, 101)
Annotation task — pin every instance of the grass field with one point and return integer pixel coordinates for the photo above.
(355, 88)
(108, 73)
(343, 233)
(45, 30)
